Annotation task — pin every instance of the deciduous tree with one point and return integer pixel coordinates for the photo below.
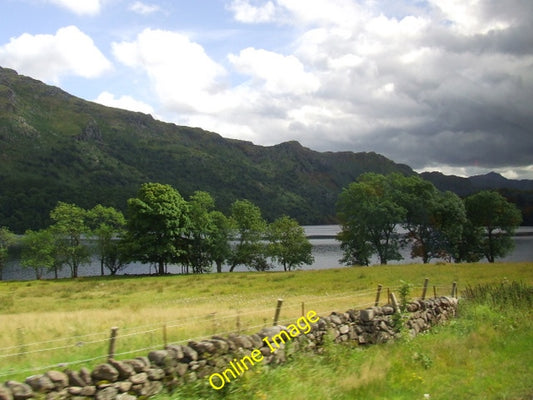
(7, 238)
(38, 251)
(498, 218)
(369, 214)
(70, 228)
(157, 220)
(288, 244)
(249, 230)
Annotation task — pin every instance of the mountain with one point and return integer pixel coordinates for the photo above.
(57, 147)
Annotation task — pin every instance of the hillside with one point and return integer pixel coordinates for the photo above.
(55, 146)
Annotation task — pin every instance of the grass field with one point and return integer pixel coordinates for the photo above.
(46, 323)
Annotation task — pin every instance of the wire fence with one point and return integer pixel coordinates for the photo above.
(92, 348)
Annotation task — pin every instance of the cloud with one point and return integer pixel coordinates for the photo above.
(50, 57)
(80, 7)
(144, 9)
(125, 102)
(247, 13)
(280, 74)
(429, 83)
(183, 76)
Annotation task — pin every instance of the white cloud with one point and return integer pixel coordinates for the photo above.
(49, 57)
(281, 74)
(125, 102)
(182, 74)
(80, 7)
(245, 12)
(144, 9)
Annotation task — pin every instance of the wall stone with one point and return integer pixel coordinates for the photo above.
(179, 364)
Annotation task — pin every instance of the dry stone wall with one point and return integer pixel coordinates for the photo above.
(179, 364)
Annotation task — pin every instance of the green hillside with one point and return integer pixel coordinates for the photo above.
(54, 146)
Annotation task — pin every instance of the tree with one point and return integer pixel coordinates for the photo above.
(69, 228)
(197, 240)
(7, 238)
(219, 236)
(498, 218)
(434, 220)
(157, 220)
(38, 251)
(108, 226)
(369, 214)
(288, 243)
(249, 227)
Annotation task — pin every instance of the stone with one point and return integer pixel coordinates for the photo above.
(366, 315)
(88, 391)
(221, 345)
(40, 383)
(343, 329)
(137, 365)
(181, 369)
(156, 374)
(175, 351)
(75, 390)
(74, 379)
(105, 372)
(270, 331)
(60, 379)
(139, 378)
(126, 396)
(159, 357)
(85, 374)
(124, 369)
(203, 347)
(335, 319)
(5, 393)
(109, 393)
(189, 354)
(20, 391)
(241, 341)
(387, 310)
(124, 386)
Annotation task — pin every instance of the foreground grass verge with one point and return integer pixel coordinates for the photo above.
(47, 323)
(486, 353)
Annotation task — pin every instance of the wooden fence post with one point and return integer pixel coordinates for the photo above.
(394, 303)
(165, 340)
(112, 341)
(303, 309)
(378, 293)
(434, 291)
(424, 291)
(278, 310)
(239, 324)
(454, 289)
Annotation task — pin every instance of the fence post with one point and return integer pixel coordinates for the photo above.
(378, 293)
(278, 310)
(454, 289)
(434, 291)
(165, 341)
(112, 341)
(238, 324)
(303, 309)
(394, 303)
(424, 291)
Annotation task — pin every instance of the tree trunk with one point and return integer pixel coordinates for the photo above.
(161, 268)
(219, 266)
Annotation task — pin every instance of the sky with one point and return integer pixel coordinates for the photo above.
(440, 85)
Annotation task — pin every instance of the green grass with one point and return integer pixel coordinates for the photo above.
(75, 316)
(486, 353)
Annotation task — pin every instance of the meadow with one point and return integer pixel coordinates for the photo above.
(66, 323)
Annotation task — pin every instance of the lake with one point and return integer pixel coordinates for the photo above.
(326, 251)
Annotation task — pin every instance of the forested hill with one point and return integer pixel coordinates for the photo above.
(54, 146)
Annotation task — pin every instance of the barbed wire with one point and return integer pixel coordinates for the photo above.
(213, 318)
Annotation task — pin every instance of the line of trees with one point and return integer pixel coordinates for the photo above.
(437, 224)
(162, 228)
